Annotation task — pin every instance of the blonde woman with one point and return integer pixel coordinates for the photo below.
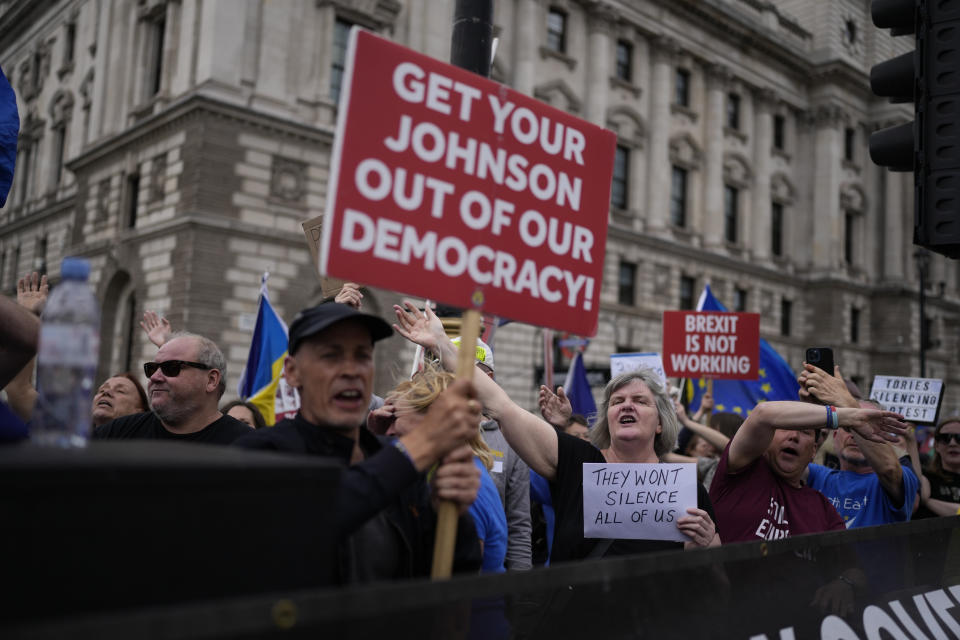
(404, 411)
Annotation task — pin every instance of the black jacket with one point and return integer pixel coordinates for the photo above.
(385, 480)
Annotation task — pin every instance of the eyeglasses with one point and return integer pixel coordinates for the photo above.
(171, 368)
(945, 438)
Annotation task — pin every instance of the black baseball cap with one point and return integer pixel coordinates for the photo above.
(315, 319)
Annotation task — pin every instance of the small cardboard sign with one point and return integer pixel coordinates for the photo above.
(916, 399)
(711, 344)
(637, 501)
(313, 230)
(624, 362)
(448, 186)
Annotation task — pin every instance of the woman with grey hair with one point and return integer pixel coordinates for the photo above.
(637, 424)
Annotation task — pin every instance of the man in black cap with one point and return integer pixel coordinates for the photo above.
(384, 514)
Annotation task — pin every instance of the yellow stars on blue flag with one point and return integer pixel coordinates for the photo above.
(766, 387)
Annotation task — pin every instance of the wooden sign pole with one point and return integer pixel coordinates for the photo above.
(443, 546)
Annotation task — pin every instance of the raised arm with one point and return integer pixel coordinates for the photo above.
(709, 434)
(756, 433)
(881, 456)
(534, 440)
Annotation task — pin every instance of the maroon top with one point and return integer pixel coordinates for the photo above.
(755, 503)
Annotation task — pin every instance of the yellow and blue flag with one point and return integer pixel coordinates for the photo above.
(262, 380)
(776, 379)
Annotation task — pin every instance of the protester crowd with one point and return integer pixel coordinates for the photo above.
(515, 477)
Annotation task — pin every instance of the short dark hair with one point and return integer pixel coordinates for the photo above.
(578, 418)
(258, 420)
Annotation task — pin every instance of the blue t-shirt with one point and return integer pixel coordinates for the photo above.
(490, 521)
(860, 499)
(540, 492)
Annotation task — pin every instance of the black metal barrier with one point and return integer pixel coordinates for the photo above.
(908, 575)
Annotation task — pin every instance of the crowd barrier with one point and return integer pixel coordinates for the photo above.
(909, 577)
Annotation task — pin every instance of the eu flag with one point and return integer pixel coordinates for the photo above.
(776, 379)
(577, 389)
(262, 380)
(9, 129)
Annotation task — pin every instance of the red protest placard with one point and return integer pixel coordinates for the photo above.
(711, 344)
(449, 186)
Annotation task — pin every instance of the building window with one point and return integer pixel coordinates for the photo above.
(779, 132)
(627, 284)
(624, 68)
(681, 89)
(156, 32)
(341, 37)
(59, 151)
(786, 310)
(678, 197)
(776, 229)
(739, 299)
(133, 197)
(15, 265)
(130, 339)
(40, 256)
(849, 140)
(24, 168)
(621, 169)
(557, 30)
(686, 293)
(854, 325)
(3, 265)
(731, 201)
(69, 43)
(733, 111)
(849, 231)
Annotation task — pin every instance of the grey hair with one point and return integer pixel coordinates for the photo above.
(666, 440)
(209, 354)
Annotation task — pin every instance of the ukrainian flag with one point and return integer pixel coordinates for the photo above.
(263, 376)
(776, 379)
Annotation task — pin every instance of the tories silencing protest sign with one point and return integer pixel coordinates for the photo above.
(916, 399)
(711, 344)
(637, 501)
(447, 185)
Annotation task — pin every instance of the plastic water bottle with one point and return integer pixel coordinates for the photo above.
(67, 360)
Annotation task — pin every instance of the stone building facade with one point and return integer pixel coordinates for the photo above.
(178, 144)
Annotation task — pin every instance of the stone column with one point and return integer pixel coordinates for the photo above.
(527, 24)
(717, 77)
(893, 215)
(658, 171)
(760, 215)
(601, 22)
(827, 217)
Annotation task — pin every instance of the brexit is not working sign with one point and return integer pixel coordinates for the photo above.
(711, 344)
(450, 186)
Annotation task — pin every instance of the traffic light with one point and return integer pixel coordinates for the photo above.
(929, 146)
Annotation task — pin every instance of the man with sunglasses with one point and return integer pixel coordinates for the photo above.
(186, 381)
(871, 486)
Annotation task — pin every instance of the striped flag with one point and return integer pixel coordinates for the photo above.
(262, 380)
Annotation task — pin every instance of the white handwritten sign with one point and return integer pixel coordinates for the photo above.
(637, 501)
(916, 399)
(624, 362)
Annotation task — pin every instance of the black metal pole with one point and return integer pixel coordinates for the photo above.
(923, 321)
(472, 36)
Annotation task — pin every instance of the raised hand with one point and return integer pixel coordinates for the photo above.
(156, 327)
(350, 295)
(555, 407)
(420, 327)
(873, 424)
(32, 292)
(828, 389)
